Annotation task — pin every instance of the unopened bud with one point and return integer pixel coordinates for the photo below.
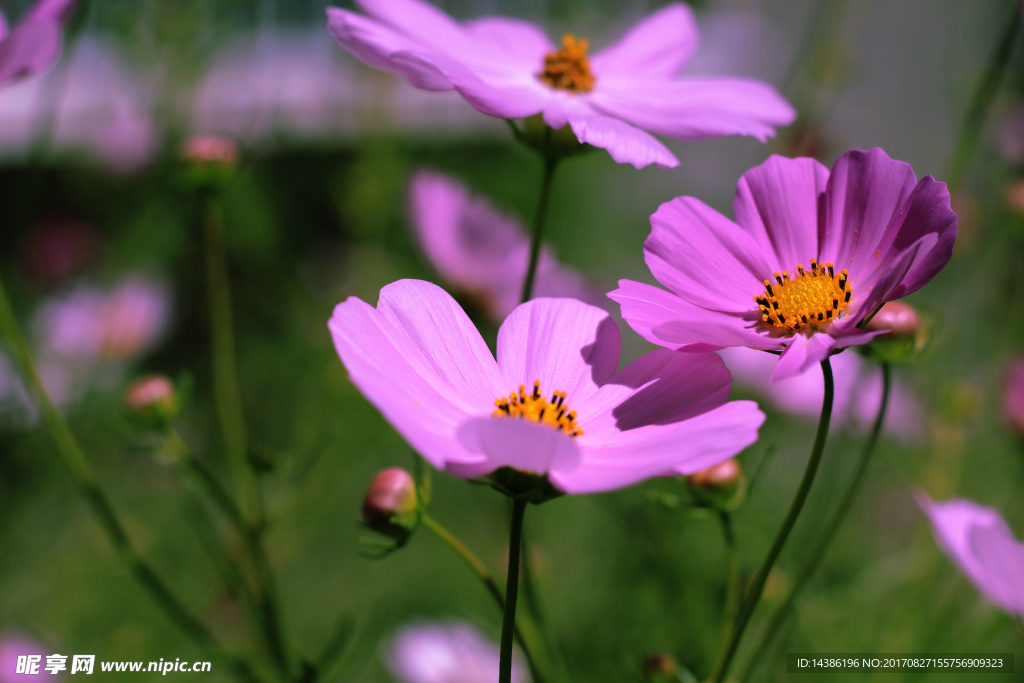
(391, 503)
(154, 400)
(1013, 397)
(896, 317)
(722, 486)
(210, 160)
(659, 666)
(907, 334)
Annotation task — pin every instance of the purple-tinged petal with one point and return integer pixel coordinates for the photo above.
(704, 257)
(3, 25)
(656, 47)
(864, 195)
(1003, 558)
(58, 11)
(891, 273)
(926, 212)
(802, 353)
(375, 44)
(568, 345)
(658, 388)
(525, 446)
(685, 447)
(696, 108)
(35, 44)
(520, 44)
(777, 203)
(626, 144)
(428, 25)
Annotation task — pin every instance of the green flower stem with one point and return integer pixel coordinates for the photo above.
(757, 585)
(225, 374)
(550, 163)
(508, 623)
(981, 103)
(264, 593)
(485, 577)
(734, 585)
(833, 524)
(85, 479)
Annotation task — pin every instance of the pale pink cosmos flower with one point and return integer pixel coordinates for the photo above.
(13, 646)
(510, 69)
(481, 252)
(422, 363)
(858, 392)
(982, 546)
(34, 45)
(810, 256)
(446, 653)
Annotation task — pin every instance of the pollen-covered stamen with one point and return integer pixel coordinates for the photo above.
(533, 406)
(807, 299)
(568, 68)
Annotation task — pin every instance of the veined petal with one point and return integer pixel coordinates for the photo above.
(777, 204)
(520, 44)
(696, 108)
(802, 353)
(658, 388)
(656, 47)
(525, 446)
(566, 344)
(429, 26)
(704, 257)
(685, 447)
(626, 144)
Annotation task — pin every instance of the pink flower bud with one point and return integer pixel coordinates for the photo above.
(659, 664)
(56, 249)
(154, 399)
(210, 149)
(722, 486)
(898, 318)
(390, 498)
(1013, 397)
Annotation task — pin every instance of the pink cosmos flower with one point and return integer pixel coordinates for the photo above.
(34, 45)
(1013, 396)
(858, 392)
(446, 653)
(982, 546)
(420, 361)
(811, 255)
(481, 252)
(13, 646)
(508, 68)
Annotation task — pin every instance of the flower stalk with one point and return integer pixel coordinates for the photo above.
(85, 479)
(833, 524)
(734, 584)
(757, 585)
(550, 163)
(508, 623)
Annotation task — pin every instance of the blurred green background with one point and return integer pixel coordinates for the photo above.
(316, 213)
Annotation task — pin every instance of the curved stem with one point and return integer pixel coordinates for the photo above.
(833, 524)
(734, 585)
(508, 623)
(757, 585)
(485, 577)
(85, 479)
(550, 162)
(206, 478)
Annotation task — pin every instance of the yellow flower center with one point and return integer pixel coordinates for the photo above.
(568, 68)
(551, 412)
(805, 299)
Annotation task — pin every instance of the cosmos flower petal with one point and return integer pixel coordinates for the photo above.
(656, 47)
(35, 44)
(697, 108)
(446, 653)
(430, 27)
(659, 387)
(376, 45)
(569, 345)
(982, 546)
(675, 448)
(524, 446)
(865, 192)
(887, 282)
(696, 251)
(802, 353)
(777, 204)
(521, 45)
(626, 144)
(3, 25)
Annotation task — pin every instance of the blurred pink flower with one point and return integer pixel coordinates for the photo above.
(422, 363)
(11, 647)
(446, 653)
(858, 392)
(1013, 396)
(34, 45)
(57, 248)
(509, 69)
(982, 546)
(481, 252)
(744, 282)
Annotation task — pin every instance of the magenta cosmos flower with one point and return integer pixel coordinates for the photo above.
(420, 361)
(508, 68)
(446, 653)
(481, 252)
(810, 256)
(34, 45)
(982, 546)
